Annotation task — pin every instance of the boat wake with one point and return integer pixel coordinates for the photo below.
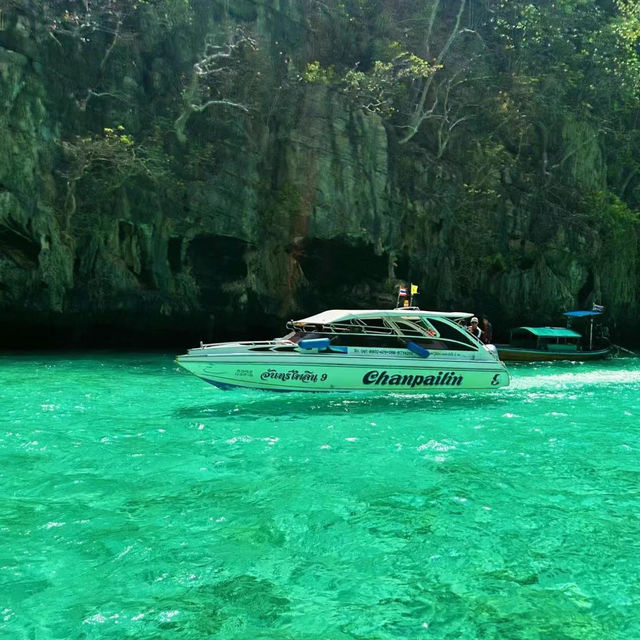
(543, 378)
(236, 403)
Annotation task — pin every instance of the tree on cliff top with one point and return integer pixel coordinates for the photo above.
(212, 77)
(418, 78)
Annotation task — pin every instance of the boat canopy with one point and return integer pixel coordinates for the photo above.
(342, 315)
(582, 314)
(549, 332)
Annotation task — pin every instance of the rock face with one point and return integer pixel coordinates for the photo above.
(120, 226)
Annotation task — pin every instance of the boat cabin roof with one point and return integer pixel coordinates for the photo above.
(341, 315)
(548, 332)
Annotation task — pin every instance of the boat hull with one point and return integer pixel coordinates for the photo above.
(335, 372)
(514, 354)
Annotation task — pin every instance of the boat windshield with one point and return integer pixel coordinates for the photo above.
(389, 332)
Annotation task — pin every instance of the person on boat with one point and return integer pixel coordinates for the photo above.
(474, 329)
(487, 331)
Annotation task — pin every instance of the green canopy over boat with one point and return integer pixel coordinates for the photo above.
(549, 332)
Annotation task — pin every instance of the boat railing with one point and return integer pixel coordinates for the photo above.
(425, 337)
(434, 330)
(244, 343)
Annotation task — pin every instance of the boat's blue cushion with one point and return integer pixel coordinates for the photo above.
(314, 343)
(339, 349)
(418, 350)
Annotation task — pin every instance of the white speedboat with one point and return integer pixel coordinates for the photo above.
(396, 350)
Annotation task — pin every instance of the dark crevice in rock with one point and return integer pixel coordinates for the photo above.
(216, 261)
(340, 273)
(21, 250)
(586, 291)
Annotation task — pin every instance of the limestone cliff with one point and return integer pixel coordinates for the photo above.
(133, 213)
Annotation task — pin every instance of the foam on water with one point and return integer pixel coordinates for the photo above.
(573, 375)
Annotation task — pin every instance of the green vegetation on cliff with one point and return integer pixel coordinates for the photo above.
(221, 165)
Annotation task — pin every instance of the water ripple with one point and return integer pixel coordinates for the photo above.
(138, 502)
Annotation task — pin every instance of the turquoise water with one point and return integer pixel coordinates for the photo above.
(138, 502)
